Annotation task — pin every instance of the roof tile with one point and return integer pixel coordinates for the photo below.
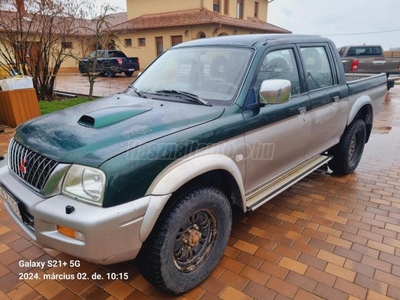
(194, 17)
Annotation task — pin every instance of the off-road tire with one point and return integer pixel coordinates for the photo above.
(128, 73)
(347, 154)
(83, 70)
(110, 74)
(166, 260)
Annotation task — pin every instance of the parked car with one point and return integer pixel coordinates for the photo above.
(367, 59)
(155, 172)
(109, 63)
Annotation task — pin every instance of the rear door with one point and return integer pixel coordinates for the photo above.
(327, 97)
(276, 135)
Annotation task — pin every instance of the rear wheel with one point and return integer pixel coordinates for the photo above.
(188, 241)
(347, 154)
(128, 73)
(110, 74)
(83, 70)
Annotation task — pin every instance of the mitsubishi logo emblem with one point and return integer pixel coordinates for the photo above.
(22, 166)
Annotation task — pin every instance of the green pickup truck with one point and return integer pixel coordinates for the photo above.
(212, 126)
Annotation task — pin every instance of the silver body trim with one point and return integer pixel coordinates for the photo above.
(111, 234)
(288, 140)
(269, 191)
(375, 97)
(222, 156)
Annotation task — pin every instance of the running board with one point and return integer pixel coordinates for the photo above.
(269, 191)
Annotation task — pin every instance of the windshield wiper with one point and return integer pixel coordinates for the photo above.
(137, 92)
(188, 96)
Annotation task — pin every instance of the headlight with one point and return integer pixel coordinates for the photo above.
(85, 184)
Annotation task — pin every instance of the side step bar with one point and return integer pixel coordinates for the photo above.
(269, 191)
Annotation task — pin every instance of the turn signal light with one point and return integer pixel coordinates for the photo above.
(70, 232)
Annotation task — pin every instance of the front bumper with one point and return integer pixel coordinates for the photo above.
(110, 234)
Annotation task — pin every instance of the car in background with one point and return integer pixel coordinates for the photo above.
(367, 59)
(109, 63)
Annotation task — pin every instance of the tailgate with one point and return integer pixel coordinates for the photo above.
(373, 65)
(131, 63)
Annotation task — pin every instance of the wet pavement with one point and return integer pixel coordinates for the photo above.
(104, 86)
(326, 237)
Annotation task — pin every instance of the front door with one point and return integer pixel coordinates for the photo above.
(276, 135)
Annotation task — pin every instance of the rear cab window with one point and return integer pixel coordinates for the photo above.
(116, 54)
(365, 51)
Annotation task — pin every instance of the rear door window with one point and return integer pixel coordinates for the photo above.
(317, 67)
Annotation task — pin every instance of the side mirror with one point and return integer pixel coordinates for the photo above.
(275, 91)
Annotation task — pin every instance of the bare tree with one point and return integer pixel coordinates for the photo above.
(99, 36)
(33, 39)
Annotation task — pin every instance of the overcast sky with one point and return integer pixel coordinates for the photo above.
(346, 22)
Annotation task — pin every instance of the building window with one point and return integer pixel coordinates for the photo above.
(176, 39)
(226, 7)
(66, 45)
(239, 9)
(142, 42)
(256, 9)
(159, 45)
(128, 42)
(200, 35)
(216, 5)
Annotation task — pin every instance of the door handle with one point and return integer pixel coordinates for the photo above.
(302, 110)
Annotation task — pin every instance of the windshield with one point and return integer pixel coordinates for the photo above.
(214, 74)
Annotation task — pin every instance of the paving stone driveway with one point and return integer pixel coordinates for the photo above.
(326, 237)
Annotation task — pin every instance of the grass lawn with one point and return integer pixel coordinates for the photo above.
(47, 107)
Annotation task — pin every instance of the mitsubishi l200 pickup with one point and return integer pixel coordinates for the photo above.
(211, 126)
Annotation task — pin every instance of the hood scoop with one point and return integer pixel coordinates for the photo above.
(112, 115)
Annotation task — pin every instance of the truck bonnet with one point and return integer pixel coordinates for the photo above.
(96, 131)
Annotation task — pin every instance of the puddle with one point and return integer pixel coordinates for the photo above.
(384, 144)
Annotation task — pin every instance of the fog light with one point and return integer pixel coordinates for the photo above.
(71, 233)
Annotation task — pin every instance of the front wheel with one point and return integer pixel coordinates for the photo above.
(188, 241)
(347, 154)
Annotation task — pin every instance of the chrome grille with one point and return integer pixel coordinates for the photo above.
(32, 167)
